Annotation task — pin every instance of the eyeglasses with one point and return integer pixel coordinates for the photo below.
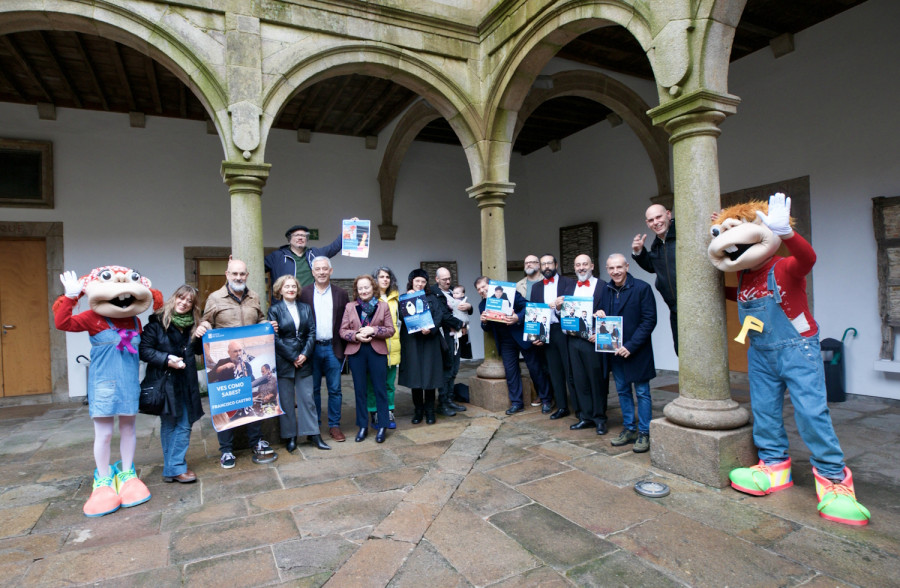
(532, 263)
(547, 263)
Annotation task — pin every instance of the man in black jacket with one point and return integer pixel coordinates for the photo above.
(660, 260)
(296, 258)
(442, 291)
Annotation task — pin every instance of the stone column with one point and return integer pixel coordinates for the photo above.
(704, 433)
(488, 388)
(245, 183)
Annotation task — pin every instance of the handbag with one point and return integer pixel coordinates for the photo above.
(153, 396)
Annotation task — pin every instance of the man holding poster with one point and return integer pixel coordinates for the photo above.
(235, 305)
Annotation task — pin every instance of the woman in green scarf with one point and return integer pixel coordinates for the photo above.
(169, 344)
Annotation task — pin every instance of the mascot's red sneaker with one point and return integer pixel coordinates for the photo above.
(131, 490)
(762, 479)
(837, 500)
(104, 498)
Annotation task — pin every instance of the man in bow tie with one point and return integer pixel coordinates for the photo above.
(589, 374)
(556, 351)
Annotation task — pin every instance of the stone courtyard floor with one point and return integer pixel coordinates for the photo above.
(480, 499)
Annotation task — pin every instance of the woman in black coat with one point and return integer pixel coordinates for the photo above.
(421, 359)
(294, 344)
(169, 343)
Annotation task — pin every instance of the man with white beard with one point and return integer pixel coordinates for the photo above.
(235, 305)
(589, 373)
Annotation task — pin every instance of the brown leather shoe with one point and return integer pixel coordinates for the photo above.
(336, 434)
(185, 478)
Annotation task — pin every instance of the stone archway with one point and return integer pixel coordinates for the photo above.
(186, 51)
(414, 120)
(621, 100)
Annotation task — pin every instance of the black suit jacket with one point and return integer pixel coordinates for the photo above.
(339, 301)
(565, 287)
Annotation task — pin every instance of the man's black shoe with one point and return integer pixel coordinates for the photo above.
(547, 407)
(560, 413)
(601, 429)
(456, 407)
(515, 408)
(583, 424)
(445, 410)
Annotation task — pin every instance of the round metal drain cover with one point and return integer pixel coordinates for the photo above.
(651, 489)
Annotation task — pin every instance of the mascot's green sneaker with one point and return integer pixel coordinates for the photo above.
(762, 479)
(837, 500)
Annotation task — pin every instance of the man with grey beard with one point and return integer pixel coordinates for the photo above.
(532, 276)
(235, 305)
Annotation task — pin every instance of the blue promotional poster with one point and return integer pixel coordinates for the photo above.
(355, 238)
(240, 370)
(609, 334)
(499, 303)
(575, 315)
(537, 322)
(415, 312)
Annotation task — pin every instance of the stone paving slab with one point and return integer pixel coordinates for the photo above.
(426, 562)
(312, 557)
(622, 569)
(373, 564)
(528, 470)
(249, 568)
(345, 513)
(288, 498)
(486, 555)
(19, 521)
(560, 543)
(485, 496)
(206, 541)
(214, 512)
(692, 552)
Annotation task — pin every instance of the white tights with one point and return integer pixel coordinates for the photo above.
(103, 432)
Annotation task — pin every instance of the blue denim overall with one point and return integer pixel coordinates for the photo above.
(780, 358)
(113, 385)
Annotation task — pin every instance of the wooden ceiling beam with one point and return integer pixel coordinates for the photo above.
(394, 112)
(748, 27)
(310, 100)
(10, 81)
(351, 110)
(389, 90)
(92, 72)
(63, 74)
(331, 103)
(119, 66)
(154, 84)
(26, 65)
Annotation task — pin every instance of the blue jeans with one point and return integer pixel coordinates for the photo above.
(325, 363)
(626, 400)
(175, 435)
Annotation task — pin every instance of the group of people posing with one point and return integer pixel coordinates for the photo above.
(318, 325)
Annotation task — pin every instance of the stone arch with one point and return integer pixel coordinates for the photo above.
(414, 120)
(535, 47)
(429, 81)
(183, 50)
(621, 100)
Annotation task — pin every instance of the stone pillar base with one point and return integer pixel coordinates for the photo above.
(704, 456)
(493, 395)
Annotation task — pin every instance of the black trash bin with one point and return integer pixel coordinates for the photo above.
(833, 356)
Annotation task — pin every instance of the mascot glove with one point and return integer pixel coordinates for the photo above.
(779, 217)
(71, 283)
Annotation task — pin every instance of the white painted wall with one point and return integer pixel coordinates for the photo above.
(139, 196)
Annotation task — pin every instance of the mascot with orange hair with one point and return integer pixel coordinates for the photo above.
(784, 353)
(116, 296)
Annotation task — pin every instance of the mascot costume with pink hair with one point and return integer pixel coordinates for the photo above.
(116, 296)
(784, 354)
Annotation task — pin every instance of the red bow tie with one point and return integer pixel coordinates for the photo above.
(584, 283)
(549, 280)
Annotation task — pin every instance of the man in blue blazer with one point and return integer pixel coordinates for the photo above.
(509, 338)
(632, 363)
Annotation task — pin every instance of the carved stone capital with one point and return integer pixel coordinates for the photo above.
(699, 112)
(491, 194)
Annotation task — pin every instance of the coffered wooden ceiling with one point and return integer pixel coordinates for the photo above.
(77, 70)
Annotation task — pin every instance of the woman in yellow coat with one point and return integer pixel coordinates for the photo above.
(390, 294)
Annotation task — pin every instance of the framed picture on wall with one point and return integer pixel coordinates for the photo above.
(26, 173)
(575, 240)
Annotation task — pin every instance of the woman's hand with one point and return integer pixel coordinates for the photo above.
(175, 362)
(301, 359)
(201, 329)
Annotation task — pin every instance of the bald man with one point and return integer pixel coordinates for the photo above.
(235, 305)
(660, 260)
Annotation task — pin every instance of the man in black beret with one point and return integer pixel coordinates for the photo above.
(295, 258)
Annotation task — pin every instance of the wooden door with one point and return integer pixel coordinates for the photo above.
(24, 318)
(737, 353)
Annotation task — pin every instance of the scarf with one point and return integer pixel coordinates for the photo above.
(366, 310)
(183, 321)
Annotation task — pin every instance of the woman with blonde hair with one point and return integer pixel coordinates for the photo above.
(365, 326)
(387, 284)
(169, 344)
